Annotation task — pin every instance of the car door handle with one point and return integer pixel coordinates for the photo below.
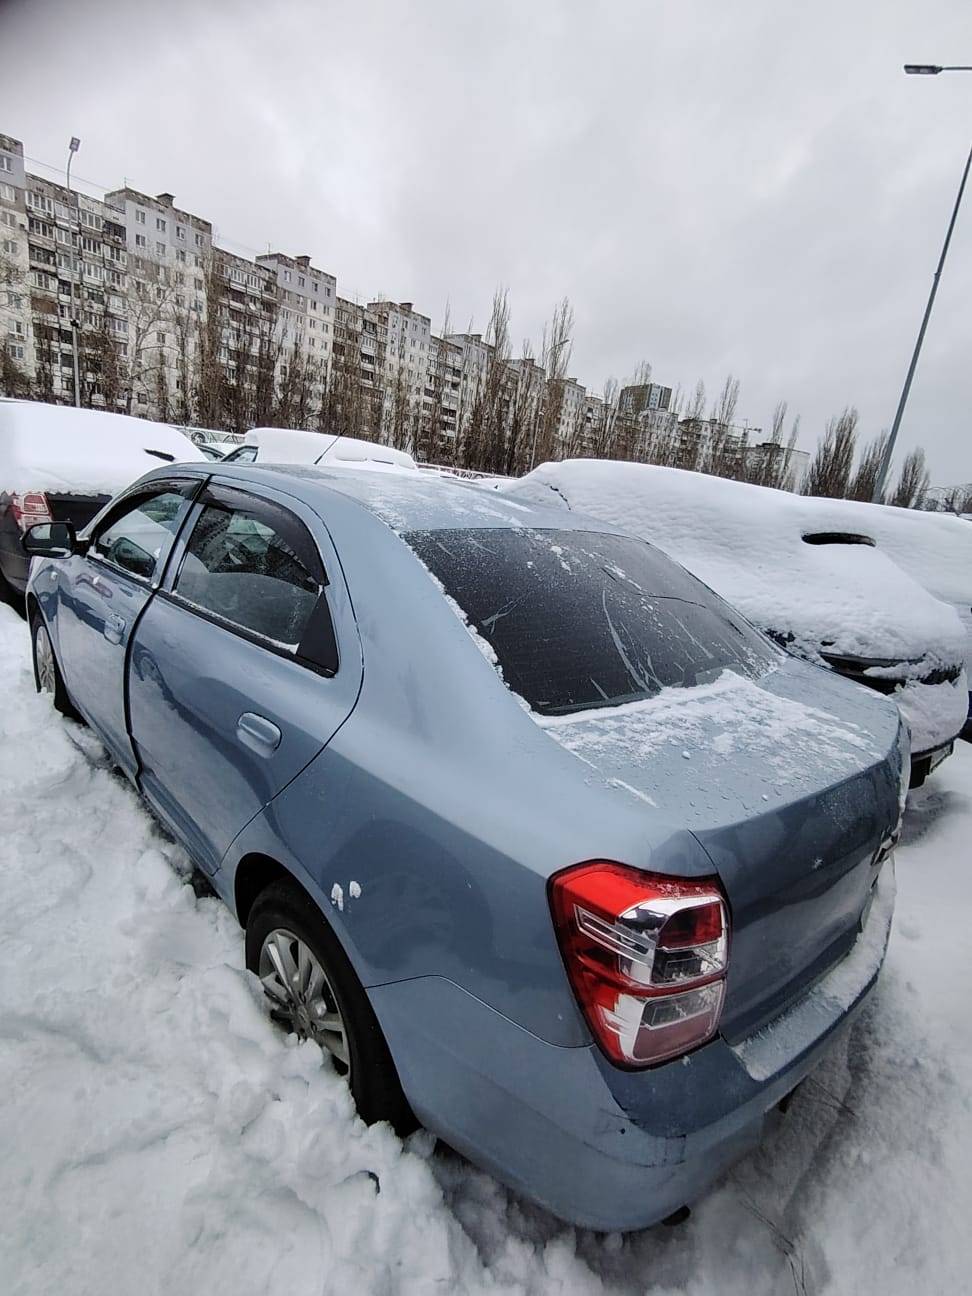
(114, 628)
(258, 733)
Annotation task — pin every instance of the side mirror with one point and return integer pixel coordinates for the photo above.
(50, 540)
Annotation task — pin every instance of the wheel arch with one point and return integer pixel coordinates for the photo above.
(254, 873)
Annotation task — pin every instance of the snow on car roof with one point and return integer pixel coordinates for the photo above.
(416, 501)
(747, 543)
(295, 445)
(77, 451)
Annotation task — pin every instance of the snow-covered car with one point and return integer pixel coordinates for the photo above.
(295, 446)
(537, 837)
(821, 588)
(63, 464)
(933, 548)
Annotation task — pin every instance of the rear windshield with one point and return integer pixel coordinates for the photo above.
(578, 619)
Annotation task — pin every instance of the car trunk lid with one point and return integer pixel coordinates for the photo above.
(791, 803)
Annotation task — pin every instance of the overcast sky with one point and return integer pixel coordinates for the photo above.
(754, 187)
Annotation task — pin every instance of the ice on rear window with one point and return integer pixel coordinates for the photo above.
(579, 620)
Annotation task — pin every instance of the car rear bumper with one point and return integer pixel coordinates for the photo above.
(600, 1147)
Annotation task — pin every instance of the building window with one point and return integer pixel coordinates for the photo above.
(286, 276)
(180, 255)
(160, 248)
(10, 247)
(6, 164)
(300, 281)
(139, 218)
(160, 224)
(10, 220)
(180, 232)
(15, 351)
(141, 240)
(199, 240)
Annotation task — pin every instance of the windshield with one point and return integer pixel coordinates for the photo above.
(578, 619)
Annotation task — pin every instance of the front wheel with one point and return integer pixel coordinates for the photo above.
(47, 673)
(313, 992)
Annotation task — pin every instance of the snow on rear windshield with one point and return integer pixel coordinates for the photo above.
(579, 619)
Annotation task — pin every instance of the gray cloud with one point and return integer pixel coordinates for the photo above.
(754, 187)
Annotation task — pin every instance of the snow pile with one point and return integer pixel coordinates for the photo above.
(59, 448)
(746, 542)
(161, 1136)
(296, 446)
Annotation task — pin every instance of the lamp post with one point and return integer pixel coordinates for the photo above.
(921, 69)
(75, 322)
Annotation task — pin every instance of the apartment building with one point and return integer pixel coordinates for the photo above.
(16, 336)
(161, 320)
(773, 464)
(307, 300)
(409, 379)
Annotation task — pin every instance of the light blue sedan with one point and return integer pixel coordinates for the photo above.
(546, 846)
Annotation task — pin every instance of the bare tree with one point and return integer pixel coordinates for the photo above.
(721, 456)
(556, 352)
(686, 451)
(912, 485)
(830, 471)
(865, 478)
(605, 442)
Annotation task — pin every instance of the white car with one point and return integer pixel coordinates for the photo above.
(61, 464)
(817, 585)
(295, 446)
(933, 548)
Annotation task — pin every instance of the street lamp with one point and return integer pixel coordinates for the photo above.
(921, 69)
(75, 322)
(933, 69)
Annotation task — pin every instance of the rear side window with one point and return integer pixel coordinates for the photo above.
(580, 620)
(139, 535)
(245, 454)
(254, 565)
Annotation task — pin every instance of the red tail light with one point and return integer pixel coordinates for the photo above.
(29, 508)
(646, 956)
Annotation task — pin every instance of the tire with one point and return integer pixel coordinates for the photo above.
(47, 673)
(285, 917)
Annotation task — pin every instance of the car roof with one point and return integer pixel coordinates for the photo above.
(409, 501)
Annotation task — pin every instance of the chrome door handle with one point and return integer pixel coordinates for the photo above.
(258, 733)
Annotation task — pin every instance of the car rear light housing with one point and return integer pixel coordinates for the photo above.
(29, 508)
(646, 956)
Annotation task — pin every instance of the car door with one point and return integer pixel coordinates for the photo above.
(101, 595)
(243, 666)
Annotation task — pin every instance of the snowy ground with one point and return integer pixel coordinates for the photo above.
(158, 1134)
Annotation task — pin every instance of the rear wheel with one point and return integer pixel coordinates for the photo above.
(47, 673)
(313, 992)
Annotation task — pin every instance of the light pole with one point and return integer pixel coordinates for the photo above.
(921, 69)
(75, 323)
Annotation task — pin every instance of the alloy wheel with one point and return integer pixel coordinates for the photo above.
(301, 996)
(44, 661)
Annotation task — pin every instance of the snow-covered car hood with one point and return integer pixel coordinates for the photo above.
(82, 452)
(747, 543)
